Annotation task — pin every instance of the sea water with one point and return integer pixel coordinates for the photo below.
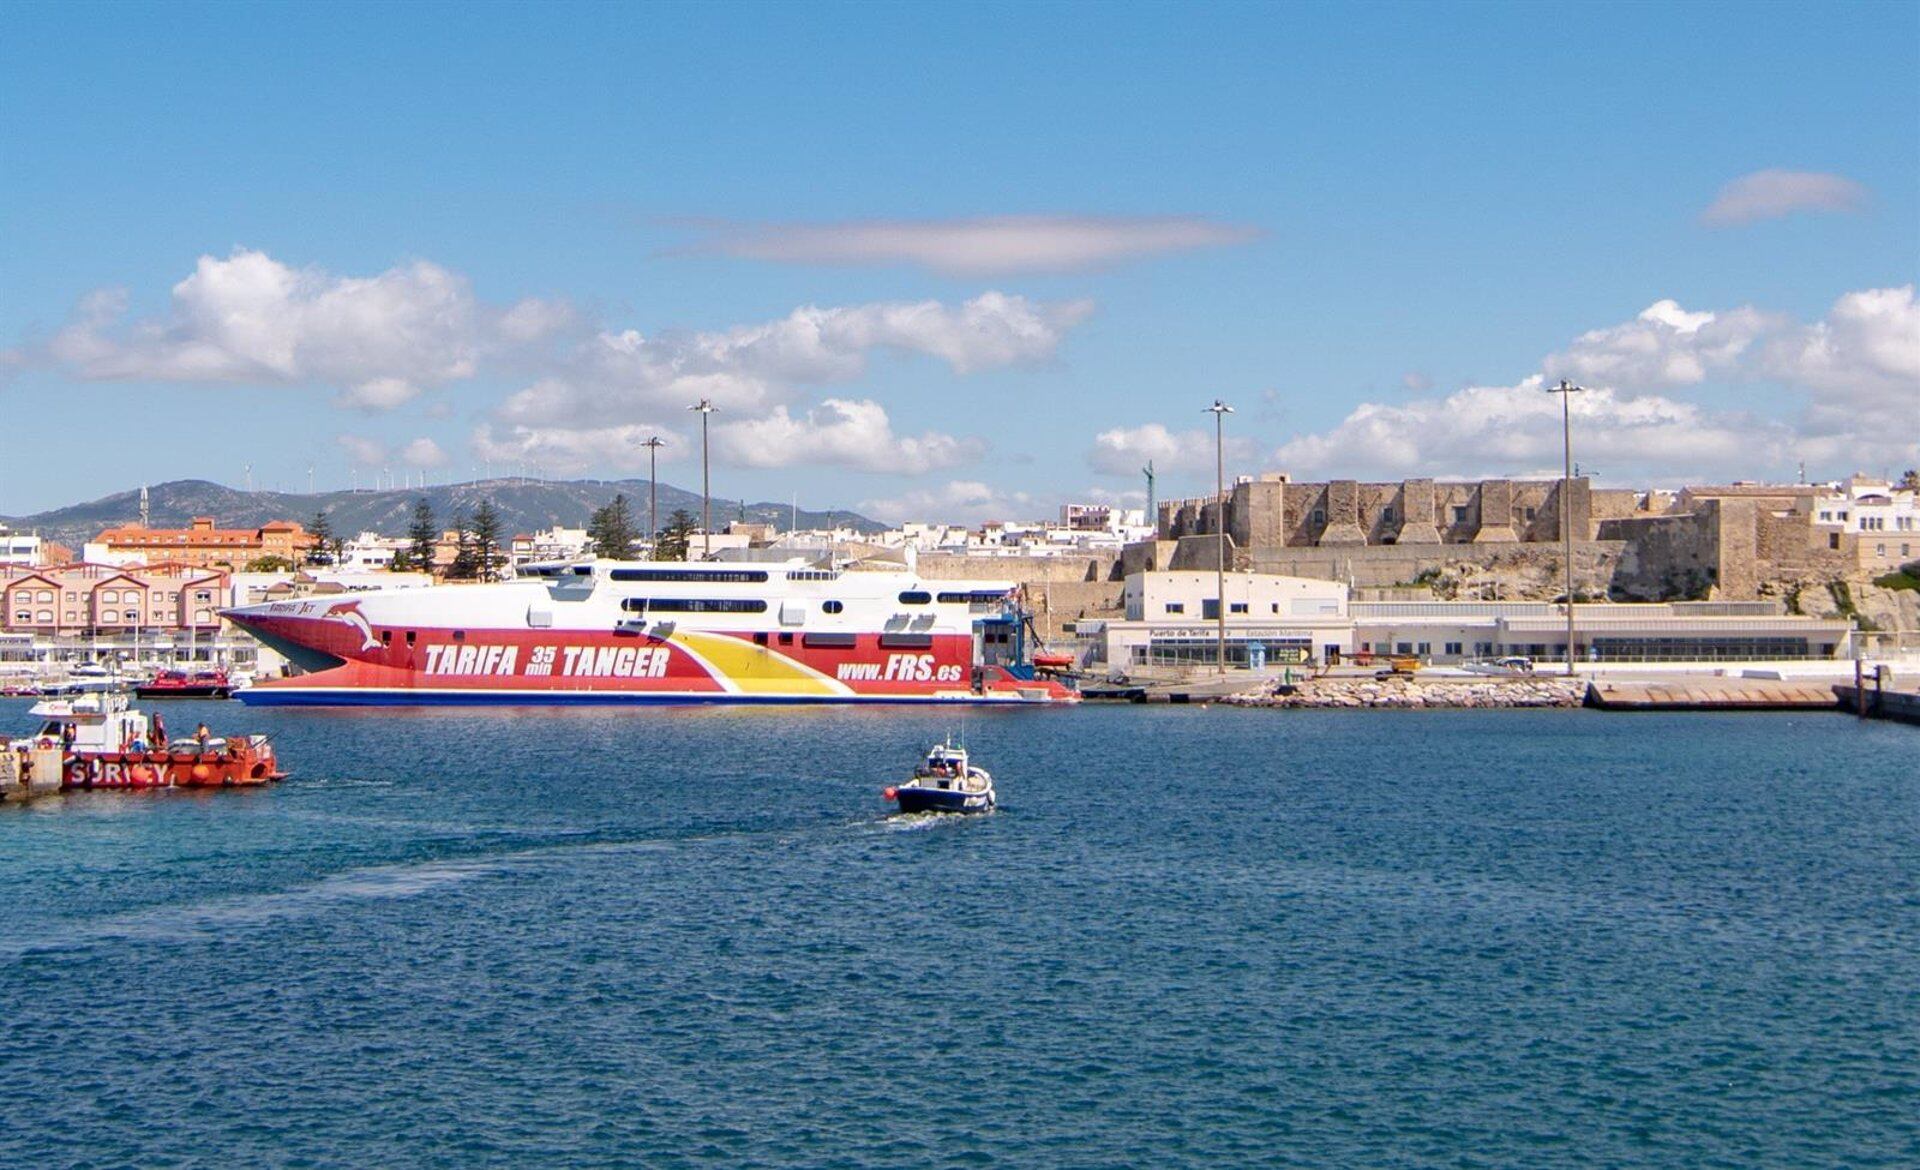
(1190, 937)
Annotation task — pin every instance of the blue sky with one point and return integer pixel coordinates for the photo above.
(1036, 240)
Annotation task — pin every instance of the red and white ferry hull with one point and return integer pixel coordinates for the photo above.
(355, 653)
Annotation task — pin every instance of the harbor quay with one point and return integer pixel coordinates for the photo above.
(1273, 584)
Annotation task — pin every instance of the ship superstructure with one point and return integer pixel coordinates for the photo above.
(648, 631)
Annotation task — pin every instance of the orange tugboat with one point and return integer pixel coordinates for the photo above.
(103, 743)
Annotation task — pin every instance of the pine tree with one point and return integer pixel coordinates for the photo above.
(675, 537)
(610, 533)
(422, 536)
(323, 550)
(466, 557)
(486, 541)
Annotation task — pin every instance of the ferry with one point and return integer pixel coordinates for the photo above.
(658, 632)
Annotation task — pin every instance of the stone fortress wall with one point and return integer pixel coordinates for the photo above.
(1737, 542)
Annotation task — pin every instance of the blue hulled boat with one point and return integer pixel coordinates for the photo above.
(946, 781)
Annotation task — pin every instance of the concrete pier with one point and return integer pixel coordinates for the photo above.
(1902, 706)
(1707, 694)
(25, 775)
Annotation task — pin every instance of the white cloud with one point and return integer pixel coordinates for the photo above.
(384, 341)
(364, 451)
(249, 319)
(1772, 194)
(1858, 369)
(840, 432)
(991, 245)
(1100, 495)
(1515, 430)
(1125, 450)
(423, 452)
(562, 450)
(1865, 355)
(753, 372)
(956, 502)
(377, 394)
(1664, 346)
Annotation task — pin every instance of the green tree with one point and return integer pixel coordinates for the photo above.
(672, 542)
(325, 548)
(466, 557)
(423, 535)
(610, 533)
(402, 562)
(1911, 480)
(486, 541)
(268, 564)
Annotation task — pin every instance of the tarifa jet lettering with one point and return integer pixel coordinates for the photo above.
(467, 659)
(615, 661)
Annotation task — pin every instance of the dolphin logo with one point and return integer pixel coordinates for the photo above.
(349, 612)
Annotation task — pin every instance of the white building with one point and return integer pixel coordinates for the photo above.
(1172, 621)
(19, 548)
(549, 544)
(371, 552)
(1884, 520)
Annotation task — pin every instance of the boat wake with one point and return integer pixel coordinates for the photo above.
(204, 921)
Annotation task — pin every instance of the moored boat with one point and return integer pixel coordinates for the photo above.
(947, 782)
(659, 632)
(101, 742)
(178, 684)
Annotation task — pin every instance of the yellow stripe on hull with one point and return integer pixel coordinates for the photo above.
(749, 669)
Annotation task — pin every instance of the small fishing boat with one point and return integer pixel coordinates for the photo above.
(95, 740)
(946, 781)
(178, 684)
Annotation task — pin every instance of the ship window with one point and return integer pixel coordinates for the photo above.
(459, 635)
(411, 636)
(1176, 607)
(977, 597)
(832, 606)
(1236, 607)
(760, 639)
(722, 576)
(829, 641)
(915, 597)
(786, 638)
(386, 637)
(693, 605)
(906, 641)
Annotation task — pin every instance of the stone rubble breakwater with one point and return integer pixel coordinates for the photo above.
(1405, 692)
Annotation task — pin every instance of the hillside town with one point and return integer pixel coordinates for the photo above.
(1448, 572)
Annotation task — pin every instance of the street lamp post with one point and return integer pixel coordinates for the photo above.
(706, 407)
(1566, 390)
(1220, 411)
(653, 443)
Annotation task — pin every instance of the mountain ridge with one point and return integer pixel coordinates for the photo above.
(525, 505)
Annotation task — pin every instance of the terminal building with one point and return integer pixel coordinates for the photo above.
(1172, 621)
